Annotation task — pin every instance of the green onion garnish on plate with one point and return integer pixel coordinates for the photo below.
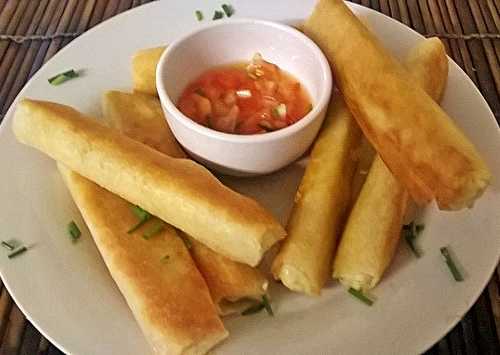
(259, 307)
(142, 215)
(63, 77)
(410, 234)
(256, 308)
(218, 15)
(360, 296)
(154, 230)
(74, 231)
(457, 275)
(7, 245)
(19, 251)
(199, 15)
(228, 10)
(267, 305)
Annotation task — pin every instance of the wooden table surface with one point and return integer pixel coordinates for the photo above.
(32, 31)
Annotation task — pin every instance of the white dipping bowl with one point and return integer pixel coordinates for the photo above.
(230, 41)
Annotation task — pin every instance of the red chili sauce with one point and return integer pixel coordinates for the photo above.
(245, 98)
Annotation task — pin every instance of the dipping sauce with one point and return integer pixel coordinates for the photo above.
(245, 98)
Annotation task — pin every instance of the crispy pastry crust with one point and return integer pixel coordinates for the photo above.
(304, 261)
(417, 140)
(144, 69)
(157, 277)
(373, 228)
(179, 191)
(140, 117)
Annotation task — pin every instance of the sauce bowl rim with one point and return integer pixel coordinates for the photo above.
(175, 113)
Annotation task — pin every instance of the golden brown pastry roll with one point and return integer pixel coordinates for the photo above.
(140, 117)
(144, 69)
(158, 278)
(304, 262)
(366, 156)
(372, 231)
(179, 191)
(373, 228)
(427, 67)
(417, 140)
(234, 286)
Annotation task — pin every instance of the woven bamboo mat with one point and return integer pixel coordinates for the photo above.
(32, 31)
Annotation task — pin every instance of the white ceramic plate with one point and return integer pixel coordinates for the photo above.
(66, 291)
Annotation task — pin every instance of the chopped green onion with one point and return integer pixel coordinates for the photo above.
(186, 240)
(451, 264)
(199, 15)
(165, 258)
(74, 231)
(142, 215)
(267, 305)
(218, 15)
(259, 307)
(17, 252)
(62, 77)
(280, 111)
(154, 230)
(360, 296)
(244, 93)
(410, 233)
(410, 240)
(228, 9)
(256, 308)
(137, 226)
(7, 245)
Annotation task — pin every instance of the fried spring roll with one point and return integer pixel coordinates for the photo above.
(140, 117)
(157, 277)
(427, 67)
(373, 228)
(179, 191)
(417, 140)
(234, 286)
(144, 69)
(304, 262)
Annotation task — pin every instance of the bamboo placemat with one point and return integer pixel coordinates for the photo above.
(32, 31)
